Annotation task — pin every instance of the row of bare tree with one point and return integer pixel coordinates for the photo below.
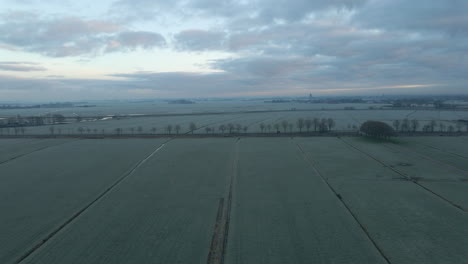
(432, 126)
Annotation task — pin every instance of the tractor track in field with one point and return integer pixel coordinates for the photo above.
(36, 150)
(405, 176)
(436, 161)
(100, 196)
(308, 159)
(441, 150)
(219, 239)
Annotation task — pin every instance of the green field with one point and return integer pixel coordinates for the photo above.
(263, 200)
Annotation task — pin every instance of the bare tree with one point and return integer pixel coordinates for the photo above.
(118, 131)
(300, 124)
(459, 126)
(238, 127)
(154, 130)
(192, 127)
(323, 127)
(132, 129)
(81, 130)
(308, 124)
(269, 128)
(414, 125)
(277, 127)
(169, 129)
(230, 127)
(426, 128)
(177, 129)
(262, 127)
(290, 126)
(51, 129)
(451, 128)
(316, 123)
(140, 130)
(245, 129)
(88, 130)
(330, 123)
(405, 125)
(441, 127)
(103, 131)
(284, 124)
(222, 128)
(94, 130)
(432, 125)
(396, 125)
(207, 129)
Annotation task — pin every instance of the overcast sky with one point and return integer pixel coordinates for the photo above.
(113, 49)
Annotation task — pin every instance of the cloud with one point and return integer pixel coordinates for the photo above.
(143, 39)
(7, 47)
(20, 66)
(266, 67)
(419, 15)
(296, 10)
(71, 36)
(289, 46)
(200, 40)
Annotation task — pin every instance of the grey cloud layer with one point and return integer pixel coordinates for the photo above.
(20, 66)
(71, 36)
(275, 45)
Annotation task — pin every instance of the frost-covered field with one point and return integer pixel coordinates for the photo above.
(345, 120)
(245, 200)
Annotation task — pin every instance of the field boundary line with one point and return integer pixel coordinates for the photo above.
(394, 146)
(74, 216)
(405, 176)
(36, 150)
(364, 229)
(441, 150)
(220, 235)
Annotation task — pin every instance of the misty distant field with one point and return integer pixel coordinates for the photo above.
(242, 200)
(212, 114)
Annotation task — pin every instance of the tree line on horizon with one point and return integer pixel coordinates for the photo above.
(300, 125)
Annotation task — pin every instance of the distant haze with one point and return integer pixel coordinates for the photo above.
(132, 49)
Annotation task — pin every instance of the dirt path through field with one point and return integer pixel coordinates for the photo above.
(221, 231)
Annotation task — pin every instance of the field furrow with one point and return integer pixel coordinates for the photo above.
(410, 224)
(287, 214)
(37, 199)
(164, 213)
(420, 169)
(11, 149)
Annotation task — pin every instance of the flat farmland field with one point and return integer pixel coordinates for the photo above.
(41, 191)
(234, 199)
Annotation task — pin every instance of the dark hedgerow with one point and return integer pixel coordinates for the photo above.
(377, 129)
